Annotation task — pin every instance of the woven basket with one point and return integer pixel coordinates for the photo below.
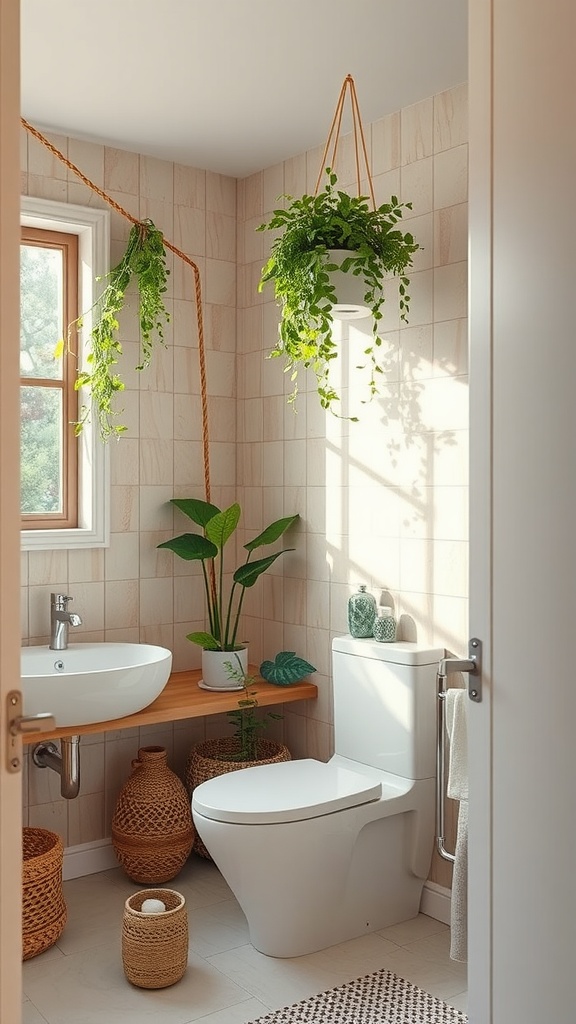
(206, 761)
(44, 911)
(155, 946)
(152, 830)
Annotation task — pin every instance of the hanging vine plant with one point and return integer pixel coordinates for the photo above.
(309, 232)
(332, 236)
(144, 260)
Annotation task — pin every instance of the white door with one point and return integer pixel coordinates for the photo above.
(523, 551)
(10, 783)
(522, 886)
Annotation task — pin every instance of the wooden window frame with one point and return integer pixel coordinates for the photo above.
(67, 244)
(91, 225)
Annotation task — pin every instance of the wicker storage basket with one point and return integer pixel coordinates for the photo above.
(155, 946)
(43, 907)
(208, 759)
(152, 830)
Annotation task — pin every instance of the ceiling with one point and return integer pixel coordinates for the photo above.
(231, 86)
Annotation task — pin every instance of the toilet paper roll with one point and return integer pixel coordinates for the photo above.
(153, 907)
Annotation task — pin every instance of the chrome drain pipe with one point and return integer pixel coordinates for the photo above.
(66, 763)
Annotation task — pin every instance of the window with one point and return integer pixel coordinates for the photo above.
(64, 480)
(48, 401)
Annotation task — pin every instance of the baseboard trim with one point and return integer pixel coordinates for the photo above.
(88, 858)
(436, 902)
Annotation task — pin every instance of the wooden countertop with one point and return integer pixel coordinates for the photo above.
(182, 698)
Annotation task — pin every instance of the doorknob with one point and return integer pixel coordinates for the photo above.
(19, 725)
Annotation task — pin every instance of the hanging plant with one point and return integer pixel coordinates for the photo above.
(144, 260)
(300, 265)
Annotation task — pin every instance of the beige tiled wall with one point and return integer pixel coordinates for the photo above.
(382, 502)
(131, 591)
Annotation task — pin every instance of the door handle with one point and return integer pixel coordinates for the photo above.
(22, 725)
(472, 665)
(19, 725)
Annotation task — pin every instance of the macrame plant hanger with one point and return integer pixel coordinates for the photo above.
(359, 139)
(197, 291)
(333, 138)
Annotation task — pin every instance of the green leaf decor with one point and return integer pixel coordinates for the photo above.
(286, 668)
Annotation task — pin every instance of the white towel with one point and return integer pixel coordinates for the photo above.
(456, 703)
(459, 901)
(457, 789)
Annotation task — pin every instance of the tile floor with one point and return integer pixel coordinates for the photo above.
(81, 980)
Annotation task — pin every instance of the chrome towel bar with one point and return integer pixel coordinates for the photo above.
(473, 666)
(440, 764)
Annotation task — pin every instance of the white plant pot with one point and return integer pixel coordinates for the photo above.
(215, 674)
(349, 290)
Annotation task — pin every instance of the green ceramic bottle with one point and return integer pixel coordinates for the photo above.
(385, 626)
(361, 613)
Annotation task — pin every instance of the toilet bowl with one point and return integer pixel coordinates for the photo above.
(317, 853)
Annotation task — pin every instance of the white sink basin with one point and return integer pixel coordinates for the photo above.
(90, 683)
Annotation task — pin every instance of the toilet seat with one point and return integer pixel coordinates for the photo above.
(284, 791)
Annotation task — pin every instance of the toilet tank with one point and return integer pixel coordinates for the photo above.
(385, 704)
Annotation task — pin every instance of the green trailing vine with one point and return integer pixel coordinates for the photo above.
(145, 260)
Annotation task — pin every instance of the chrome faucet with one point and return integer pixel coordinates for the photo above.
(60, 620)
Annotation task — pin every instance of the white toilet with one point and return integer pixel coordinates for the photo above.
(317, 853)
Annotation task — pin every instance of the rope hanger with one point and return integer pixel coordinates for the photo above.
(333, 138)
(197, 291)
(359, 140)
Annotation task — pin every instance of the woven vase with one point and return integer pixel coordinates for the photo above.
(208, 759)
(152, 830)
(43, 907)
(155, 946)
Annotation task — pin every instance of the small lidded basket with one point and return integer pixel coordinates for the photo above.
(155, 945)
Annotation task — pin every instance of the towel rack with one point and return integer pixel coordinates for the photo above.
(440, 762)
(472, 665)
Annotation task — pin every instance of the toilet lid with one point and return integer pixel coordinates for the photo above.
(285, 791)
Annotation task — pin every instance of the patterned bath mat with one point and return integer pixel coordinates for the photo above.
(379, 998)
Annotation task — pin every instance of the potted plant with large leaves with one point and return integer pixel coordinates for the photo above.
(320, 237)
(223, 601)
